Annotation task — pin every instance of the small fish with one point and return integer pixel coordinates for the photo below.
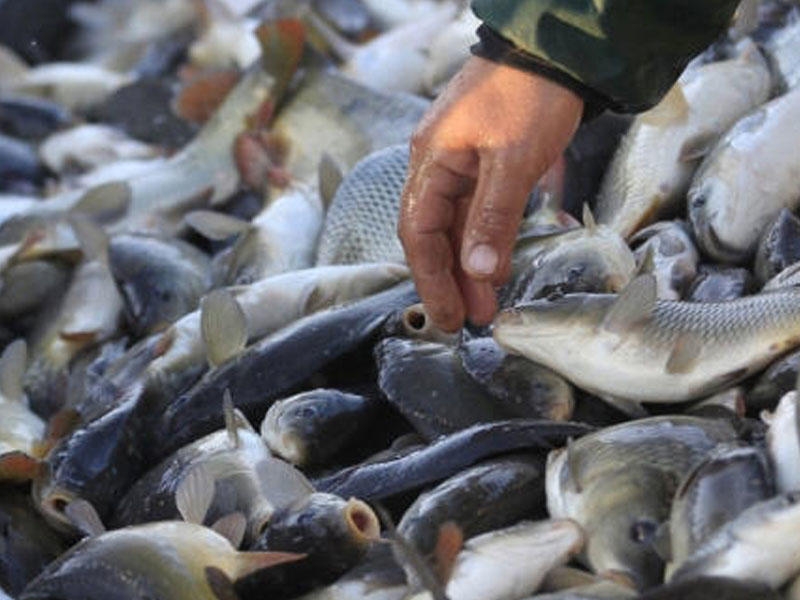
(783, 442)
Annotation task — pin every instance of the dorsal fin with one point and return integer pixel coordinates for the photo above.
(84, 517)
(673, 108)
(232, 527)
(215, 226)
(588, 219)
(223, 325)
(12, 370)
(633, 304)
(91, 237)
(282, 483)
(105, 203)
(194, 494)
(231, 425)
(330, 177)
(648, 262)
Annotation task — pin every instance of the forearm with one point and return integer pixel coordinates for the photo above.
(624, 54)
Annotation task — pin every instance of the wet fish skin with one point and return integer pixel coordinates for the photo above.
(712, 588)
(361, 223)
(488, 496)
(783, 442)
(602, 590)
(779, 246)
(27, 286)
(718, 284)
(161, 279)
(311, 427)
(729, 480)
(726, 342)
(333, 533)
(753, 546)
(755, 151)
(445, 457)
(674, 256)
(779, 378)
(166, 560)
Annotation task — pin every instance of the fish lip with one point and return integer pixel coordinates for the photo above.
(51, 501)
(361, 520)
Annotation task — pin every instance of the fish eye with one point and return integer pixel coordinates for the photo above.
(699, 201)
(643, 531)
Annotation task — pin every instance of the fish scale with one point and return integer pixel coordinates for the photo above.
(361, 224)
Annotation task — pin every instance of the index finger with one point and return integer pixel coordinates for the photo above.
(427, 216)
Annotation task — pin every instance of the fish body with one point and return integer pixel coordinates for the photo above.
(674, 257)
(783, 442)
(782, 49)
(361, 224)
(720, 283)
(671, 352)
(654, 164)
(779, 247)
(746, 180)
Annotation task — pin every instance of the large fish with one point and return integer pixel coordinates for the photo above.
(747, 179)
(635, 347)
(656, 160)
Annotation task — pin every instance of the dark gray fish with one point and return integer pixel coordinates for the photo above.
(27, 286)
(18, 162)
(311, 427)
(729, 480)
(426, 382)
(278, 365)
(525, 389)
(488, 496)
(717, 284)
(349, 17)
(361, 223)
(333, 533)
(31, 118)
(27, 542)
(445, 457)
(779, 378)
(712, 588)
(779, 246)
(160, 279)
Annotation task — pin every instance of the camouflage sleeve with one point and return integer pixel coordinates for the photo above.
(624, 54)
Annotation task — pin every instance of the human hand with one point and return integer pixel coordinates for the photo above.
(475, 157)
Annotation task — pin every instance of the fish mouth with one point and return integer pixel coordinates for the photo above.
(52, 503)
(417, 324)
(361, 520)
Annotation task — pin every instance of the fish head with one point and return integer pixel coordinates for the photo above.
(718, 223)
(622, 512)
(52, 500)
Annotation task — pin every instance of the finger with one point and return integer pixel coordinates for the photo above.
(480, 301)
(504, 183)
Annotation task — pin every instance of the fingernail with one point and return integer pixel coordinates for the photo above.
(482, 260)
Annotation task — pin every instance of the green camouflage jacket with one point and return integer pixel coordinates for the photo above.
(626, 52)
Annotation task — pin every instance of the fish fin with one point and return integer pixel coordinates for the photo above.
(12, 370)
(588, 219)
(412, 556)
(647, 264)
(231, 425)
(19, 466)
(194, 494)
(285, 484)
(214, 225)
(330, 177)
(83, 516)
(745, 19)
(91, 237)
(730, 377)
(632, 305)
(672, 108)
(697, 147)
(571, 466)
(282, 42)
(220, 584)
(105, 203)
(223, 325)
(661, 543)
(11, 65)
(631, 408)
(449, 543)
(684, 354)
(338, 45)
(251, 562)
(232, 528)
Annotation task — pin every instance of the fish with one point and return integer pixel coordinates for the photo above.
(655, 162)
(349, 17)
(618, 484)
(419, 466)
(161, 279)
(334, 534)
(511, 562)
(30, 285)
(674, 257)
(778, 379)
(726, 221)
(783, 443)
(751, 546)
(310, 428)
(165, 560)
(779, 247)
(781, 47)
(729, 480)
(490, 495)
(652, 350)
(706, 588)
(19, 164)
(719, 283)
(604, 589)
(361, 223)
(31, 118)
(787, 278)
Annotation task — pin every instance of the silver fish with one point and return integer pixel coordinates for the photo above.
(783, 442)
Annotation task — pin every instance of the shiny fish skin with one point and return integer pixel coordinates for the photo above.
(361, 224)
(732, 340)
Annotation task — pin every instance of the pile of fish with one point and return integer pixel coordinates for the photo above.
(217, 381)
